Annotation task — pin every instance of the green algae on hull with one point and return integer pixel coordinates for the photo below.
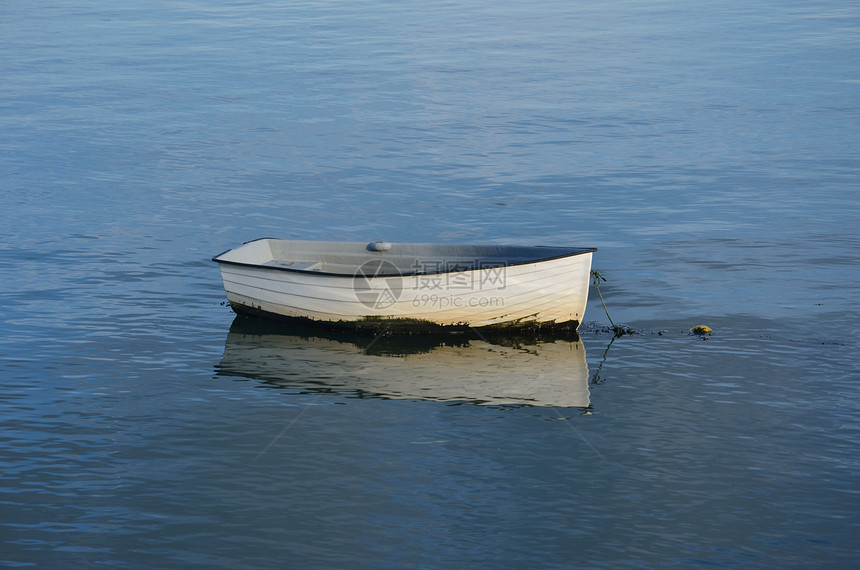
(408, 326)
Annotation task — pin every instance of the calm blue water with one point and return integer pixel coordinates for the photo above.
(711, 151)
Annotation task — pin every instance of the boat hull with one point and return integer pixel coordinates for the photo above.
(544, 293)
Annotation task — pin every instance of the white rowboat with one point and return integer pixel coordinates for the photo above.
(393, 286)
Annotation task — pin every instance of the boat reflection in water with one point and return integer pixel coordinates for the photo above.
(447, 368)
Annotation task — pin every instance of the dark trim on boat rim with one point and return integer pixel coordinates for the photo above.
(578, 251)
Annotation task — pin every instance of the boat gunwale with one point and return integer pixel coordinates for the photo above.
(577, 251)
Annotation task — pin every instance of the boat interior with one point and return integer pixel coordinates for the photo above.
(347, 258)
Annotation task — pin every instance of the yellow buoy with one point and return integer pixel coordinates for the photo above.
(701, 330)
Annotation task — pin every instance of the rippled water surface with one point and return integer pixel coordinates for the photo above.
(709, 150)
